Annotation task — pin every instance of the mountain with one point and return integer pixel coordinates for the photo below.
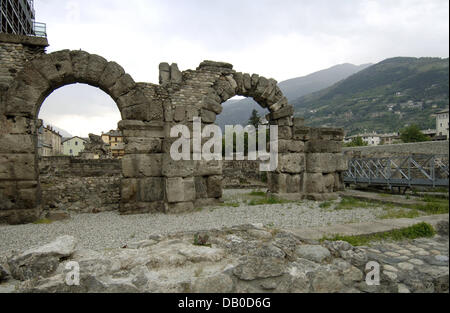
(238, 111)
(383, 97)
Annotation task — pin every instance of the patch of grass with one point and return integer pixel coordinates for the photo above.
(231, 204)
(400, 213)
(415, 231)
(325, 205)
(201, 240)
(198, 209)
(43, 221)
(257, 193)
(267, 200)
(349, 203)
(433, 205)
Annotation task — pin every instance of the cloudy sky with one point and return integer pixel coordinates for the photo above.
(275, 38)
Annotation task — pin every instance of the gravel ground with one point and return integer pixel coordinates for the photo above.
(111, 230)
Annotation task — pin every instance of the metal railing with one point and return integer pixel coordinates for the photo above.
(412, 170)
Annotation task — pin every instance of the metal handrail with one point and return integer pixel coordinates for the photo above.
(431, 170)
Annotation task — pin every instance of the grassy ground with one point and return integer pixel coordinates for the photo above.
(416, 231)
(432, 205)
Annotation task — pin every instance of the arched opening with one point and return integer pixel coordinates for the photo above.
(20, 189)
(243, 174)
(79, 148)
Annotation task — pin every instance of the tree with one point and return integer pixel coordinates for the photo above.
(412, 134)
(357, 142)
(255, 119)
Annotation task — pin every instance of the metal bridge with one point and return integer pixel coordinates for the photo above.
(407, 171)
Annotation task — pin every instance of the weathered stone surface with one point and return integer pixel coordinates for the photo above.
(18, 166)
(214, 184)
(181, 168)
(291, 163)
(325, 162)
(314, 253)
(142, 165)
(253, 268)
(285, 146)
(323, 146)
(41, 261)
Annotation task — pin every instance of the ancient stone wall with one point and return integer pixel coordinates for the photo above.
(309, 160)
(15, 51)
(243, 174)
(76, 185)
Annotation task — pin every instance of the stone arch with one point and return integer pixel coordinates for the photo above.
(20, 192)
(263, 90)
(48, 72)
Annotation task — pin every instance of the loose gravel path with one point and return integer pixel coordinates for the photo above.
(111, 230)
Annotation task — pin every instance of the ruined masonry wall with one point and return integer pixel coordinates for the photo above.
(87, 186)
(310, 160)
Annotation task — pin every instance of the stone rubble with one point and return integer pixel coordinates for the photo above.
(248, 258)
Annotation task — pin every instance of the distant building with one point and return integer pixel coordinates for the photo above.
(442, 124)
(49, 142)
(374, 139)
(115, 139)
(73, 146)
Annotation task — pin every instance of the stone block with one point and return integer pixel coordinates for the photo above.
(55, 67)
(143, 145)
(174, 189)
(277, 182)
(122, 86)
(285, 146)
(338, 182)
(214, 184)
(323, 146)
(208, 116)
(18, 166)
(325, 162)
(285, 132)
(181, 168)
(18, 125)
(283, 112)
(129, 190)
(16, 143)
(111, 74)
(301, 132)
(208, 168)
(294, 183)
(189, 189)
(291, 163)
(313, 183)
(175, 75)
(212, 105)
(96, 67)
(142, 165)
(179, 113)
(285, 121)
(328, 181)
(201, 187)
(151, 189)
